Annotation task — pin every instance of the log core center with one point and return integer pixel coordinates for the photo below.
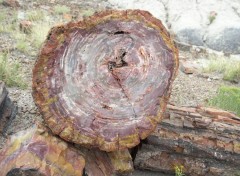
(116, 70)
(120, 62)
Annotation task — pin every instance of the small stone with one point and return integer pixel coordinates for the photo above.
(198, 50)
(67, 17)
(216, 171)
(26, 26)
(32, 111)
(21, 15)
(11, 3)
(188, 124)
(236, 146)
(216, 77)
(187, 67)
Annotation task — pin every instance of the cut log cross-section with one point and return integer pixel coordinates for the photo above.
(104, 82)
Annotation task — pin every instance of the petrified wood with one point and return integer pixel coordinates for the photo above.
(35, 152)
(8, 110)
(100, 163)
(205, 141)
(104, 82)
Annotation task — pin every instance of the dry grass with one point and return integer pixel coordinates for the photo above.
(88, 12)
(39, 33)
(228, 67)
(61, 9)
(34, 39)
(22, 46)
(9, 23)
(21, 41)
(10, 72)
(36, 15)
(3, 15)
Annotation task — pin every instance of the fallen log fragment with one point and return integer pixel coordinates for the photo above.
(105, 81)
(35, 152)
(204, 141)
(8, 110)
(100, 163)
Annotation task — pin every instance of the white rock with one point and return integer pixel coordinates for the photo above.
(155, 7)
(186, 21)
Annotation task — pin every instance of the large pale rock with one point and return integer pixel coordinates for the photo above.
(185, 22)
(155, 7)
(223, 34)
(193, 22)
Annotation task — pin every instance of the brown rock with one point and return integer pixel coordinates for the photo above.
(67, 17)
(11, 3)
(25, 26)
(187, 67)
(37, 152)
(104, 82)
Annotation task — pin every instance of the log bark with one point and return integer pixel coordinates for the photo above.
(205, 141)
(104, 82)
(100, 163)
(8, 109)
(36, 152)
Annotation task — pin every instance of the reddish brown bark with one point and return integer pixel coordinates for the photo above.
(104, 82)
(205, 141)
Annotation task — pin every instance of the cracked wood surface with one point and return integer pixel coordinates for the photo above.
(205, 141)
(102, 163)
(105, 81)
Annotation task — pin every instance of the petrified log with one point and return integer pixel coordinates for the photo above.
(8, 110)
(100, 163)
(205, 141)
(35, 152)
(105, 81)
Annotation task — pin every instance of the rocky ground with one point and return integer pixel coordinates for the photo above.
(214, 25)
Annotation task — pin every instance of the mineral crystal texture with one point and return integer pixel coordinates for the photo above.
(35, 152)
